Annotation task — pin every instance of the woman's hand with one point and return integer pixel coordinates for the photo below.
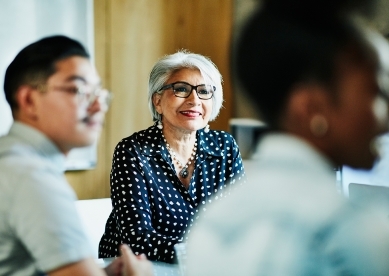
(135, 265)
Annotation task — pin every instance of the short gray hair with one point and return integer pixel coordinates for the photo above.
(169, 64)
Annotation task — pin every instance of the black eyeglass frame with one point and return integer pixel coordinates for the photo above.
(193, 87)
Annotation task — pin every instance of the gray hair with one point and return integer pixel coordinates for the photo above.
(169, 64)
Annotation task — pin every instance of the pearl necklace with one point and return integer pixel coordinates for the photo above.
(184, 169)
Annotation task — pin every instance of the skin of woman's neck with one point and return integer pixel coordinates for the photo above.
(181, 142)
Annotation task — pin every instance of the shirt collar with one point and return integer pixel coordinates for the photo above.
(280, 146)
(207, 143)
(43, 145)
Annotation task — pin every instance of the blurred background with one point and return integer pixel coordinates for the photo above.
(126, 37)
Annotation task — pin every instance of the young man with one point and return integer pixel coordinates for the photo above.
(57, 104)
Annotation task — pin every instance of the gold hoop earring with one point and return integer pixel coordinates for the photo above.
(318, 126)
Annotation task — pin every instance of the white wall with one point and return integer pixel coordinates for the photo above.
(25, 21)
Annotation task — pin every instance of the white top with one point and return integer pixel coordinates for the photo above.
(288, 220)
(40, 229)
(380, 172)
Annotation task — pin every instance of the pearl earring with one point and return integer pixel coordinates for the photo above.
(159, 125)
(206, 129)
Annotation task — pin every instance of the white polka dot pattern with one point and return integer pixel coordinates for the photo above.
(152, 211)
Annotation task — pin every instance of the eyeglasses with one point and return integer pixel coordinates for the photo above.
(183, 90)
(85, 96)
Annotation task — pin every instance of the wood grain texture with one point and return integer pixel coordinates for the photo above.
(130, 36)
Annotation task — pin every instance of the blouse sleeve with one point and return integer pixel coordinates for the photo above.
(132, 201)
(237, 175)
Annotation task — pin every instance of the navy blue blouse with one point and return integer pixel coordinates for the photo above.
(152, 210)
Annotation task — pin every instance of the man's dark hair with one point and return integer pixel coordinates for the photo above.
(34, 64)
(291, 42)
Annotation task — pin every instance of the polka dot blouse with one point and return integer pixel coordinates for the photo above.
(152, 210)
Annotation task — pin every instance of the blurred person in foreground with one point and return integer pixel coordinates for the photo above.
(57, 104)
(162, 176)
(317, 78)
(380, 171)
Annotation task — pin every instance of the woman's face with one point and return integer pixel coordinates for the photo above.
(183, 114)
(359, 116)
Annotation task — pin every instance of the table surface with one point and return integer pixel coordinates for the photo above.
(160, 268)
(164, 269)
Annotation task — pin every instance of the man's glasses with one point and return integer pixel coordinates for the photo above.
(85, 96)
(183, 90)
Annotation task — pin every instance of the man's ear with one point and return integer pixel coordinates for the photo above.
(157, 102)
(26, 99)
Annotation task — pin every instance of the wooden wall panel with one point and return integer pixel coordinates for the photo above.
(95, 183)
(204, 27)
(130, 36)
(136, 39)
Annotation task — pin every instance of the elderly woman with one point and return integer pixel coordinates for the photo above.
(163, 176)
